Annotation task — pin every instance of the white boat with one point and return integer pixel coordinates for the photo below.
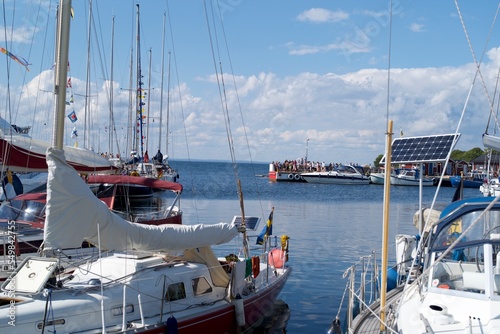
(410, 177)
(377, 178)
(345, 174)
(160, 278)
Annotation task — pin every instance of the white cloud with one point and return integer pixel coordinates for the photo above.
(344, 116)
(321, 15)
(417, 27)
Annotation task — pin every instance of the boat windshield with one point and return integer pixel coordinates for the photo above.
(22, 211)
(486, 227)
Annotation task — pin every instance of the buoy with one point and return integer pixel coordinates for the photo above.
(290, 176)
(239, 309)
(297, 177)
(172, 325)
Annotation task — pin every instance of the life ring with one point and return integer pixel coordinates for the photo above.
(290, 176)
(134, 173)
(297, 177)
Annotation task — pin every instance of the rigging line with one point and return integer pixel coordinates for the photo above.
(7, 66)
(181, 105)
(222, 93)
(478, 64)
(39, 77)
(28, 56)
(238, 101)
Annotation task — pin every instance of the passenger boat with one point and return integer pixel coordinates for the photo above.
(288, 176)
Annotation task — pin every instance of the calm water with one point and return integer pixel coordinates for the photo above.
(330, 227)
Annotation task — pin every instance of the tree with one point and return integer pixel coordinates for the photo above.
(376, 163)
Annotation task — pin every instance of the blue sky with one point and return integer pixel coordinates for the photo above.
(314, 70)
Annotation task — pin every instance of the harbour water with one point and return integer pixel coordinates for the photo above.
(330, 227)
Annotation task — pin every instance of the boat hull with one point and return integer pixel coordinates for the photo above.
(285, 177)
(377, 178)
(455, 182)
(223, 319)
(410, 182)
(327, 178)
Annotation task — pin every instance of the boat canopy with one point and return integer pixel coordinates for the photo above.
(136, 180)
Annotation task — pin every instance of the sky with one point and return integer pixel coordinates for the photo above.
(267, 80)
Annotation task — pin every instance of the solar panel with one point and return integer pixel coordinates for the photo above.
(250, 222)
(421, 149)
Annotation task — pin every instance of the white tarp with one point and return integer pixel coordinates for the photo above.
(75, 214)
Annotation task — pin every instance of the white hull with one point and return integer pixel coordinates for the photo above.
(325, 178)
(395, 181)
(377, 178)
(341, 175)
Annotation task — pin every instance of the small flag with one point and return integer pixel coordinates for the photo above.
(72, 117)
(267, 230)
(68, 85)
(74, 133)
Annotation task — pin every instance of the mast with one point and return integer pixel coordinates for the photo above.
(149, 98)
(385, 227)
(86, 141)
(131, 143)
(61, 72)
(111, 118)
(168, 107)
(161, 86)
(140, 103)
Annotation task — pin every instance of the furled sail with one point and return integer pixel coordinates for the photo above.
(75, 214)
(492, 142)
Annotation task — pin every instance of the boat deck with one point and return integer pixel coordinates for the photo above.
(368, 320)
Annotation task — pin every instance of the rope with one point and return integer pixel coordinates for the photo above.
(478, 64)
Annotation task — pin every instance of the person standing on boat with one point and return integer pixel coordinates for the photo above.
(158, 158)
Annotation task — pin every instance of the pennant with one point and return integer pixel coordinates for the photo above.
(74, 133)
(72, 117)
(68, 85)
(267, 230)
(20, 60)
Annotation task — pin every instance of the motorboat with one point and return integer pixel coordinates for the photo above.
(344, 174)
(410, 177)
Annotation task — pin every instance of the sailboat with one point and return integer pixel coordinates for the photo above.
(446, 279)
(159, 278)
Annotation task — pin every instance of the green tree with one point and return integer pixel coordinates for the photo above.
(376, 163)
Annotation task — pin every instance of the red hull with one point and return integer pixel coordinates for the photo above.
(223, 320)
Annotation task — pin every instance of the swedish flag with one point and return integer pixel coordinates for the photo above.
(267, 230)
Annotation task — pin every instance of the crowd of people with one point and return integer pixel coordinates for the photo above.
(300, 165)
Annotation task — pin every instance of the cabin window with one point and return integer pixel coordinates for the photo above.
(57, 322)
(201, 286)
(175, 292)
(119, 310)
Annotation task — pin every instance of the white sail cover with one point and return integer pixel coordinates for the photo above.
(75, 214)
